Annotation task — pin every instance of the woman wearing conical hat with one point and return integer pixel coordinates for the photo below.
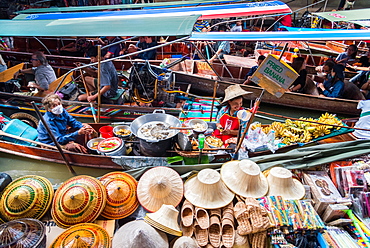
(227, 121)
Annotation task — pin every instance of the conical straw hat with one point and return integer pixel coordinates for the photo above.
(185, 242)
(22, 233)
(80, 199)
(206, 190)
(121, 195)
(83, 235)
(281, 183)
(139, 234)
(158, 186)
(26, 197)
(244, 178)
(166, 217)
(233, 91)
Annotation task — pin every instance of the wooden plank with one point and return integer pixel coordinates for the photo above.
(9, 73)
(54, 85)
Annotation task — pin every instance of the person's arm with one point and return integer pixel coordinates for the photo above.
(95, 96)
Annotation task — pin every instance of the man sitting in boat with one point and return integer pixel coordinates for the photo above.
(108, 79)
(228, 123)
(44, 73)
(59, 120)
(333, 86)
(221, 47)
(248, 76)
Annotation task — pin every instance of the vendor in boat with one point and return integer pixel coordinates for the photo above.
(44, 73)
(108, 79)
(333, 86)
(299, 66)
(60, 123)
(228, 123)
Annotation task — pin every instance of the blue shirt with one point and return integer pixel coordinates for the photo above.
(148, 55)
(251, 71)
(335, 90)
(58, 125)
(108, 76)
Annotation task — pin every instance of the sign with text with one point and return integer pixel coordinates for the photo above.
(274, 75)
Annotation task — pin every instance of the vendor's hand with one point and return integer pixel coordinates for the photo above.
(31, 84)
(226, 132)
(87, 128)
(75, 147)
(91, 98)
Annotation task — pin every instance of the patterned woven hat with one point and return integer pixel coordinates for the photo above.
(165, 219)
(23, 233)
(80, 199)
(26, 197)
(121, 195)
(83, 235)
(158, 186)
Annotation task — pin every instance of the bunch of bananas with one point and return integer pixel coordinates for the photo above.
(301, 131)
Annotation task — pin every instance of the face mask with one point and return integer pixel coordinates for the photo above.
(57, 110)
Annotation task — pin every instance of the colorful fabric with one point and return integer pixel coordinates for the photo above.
(224, 115)
(200, 24)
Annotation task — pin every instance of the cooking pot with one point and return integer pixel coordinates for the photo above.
(155, 148)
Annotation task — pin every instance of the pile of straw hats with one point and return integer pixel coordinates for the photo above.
(244, 178)
(26, 197)
(139, 234)
(207, 190)
(160, 185)
(121, 195)
(23, 233)
(83, 235)
(282, 183)
(165, 219)
(81, 199)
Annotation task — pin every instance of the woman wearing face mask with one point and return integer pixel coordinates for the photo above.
(59, 120)
(227, 121)
(333, 85)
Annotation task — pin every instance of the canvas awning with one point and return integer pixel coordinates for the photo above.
(362, 23)
(107, 26)
(205, 12)
(345, 15)
(338, 34)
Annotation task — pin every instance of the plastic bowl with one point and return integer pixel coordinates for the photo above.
(196, 123)
(210, 145)
(91, 146)
(117, 128)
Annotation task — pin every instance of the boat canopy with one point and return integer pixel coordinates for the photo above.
(362, 23)
(205, 12)
(107, 26)
(294, 29)
(172, 4)
(345, 15)
(337, 34)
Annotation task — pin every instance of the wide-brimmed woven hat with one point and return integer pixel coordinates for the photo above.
(83, 235)
(80, 199)
(233, 91)
(244, 178)
(121, 195)
(281, 183)
(160, 185)
(207, 190)
(139, 234)
(26, 197)
(23, 233)
(165, 219)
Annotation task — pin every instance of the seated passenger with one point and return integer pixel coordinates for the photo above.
(113, 51)
(148, 55)
(299, 66)
(348, 57)
(228, 123)
(248, 76)
(108, 79)
(59, 120)
(76, 48)
(333, 85)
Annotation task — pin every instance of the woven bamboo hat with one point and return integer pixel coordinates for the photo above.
(160, 185)
(244, 178)
(233, 91)
(83, 235)
(26, 197)
(282, 183)
(80, 199)
(23, 233)
(139, 234)
(121, 195)
(207, 190)
(165, 219)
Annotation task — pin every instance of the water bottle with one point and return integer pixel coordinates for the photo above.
(201, 138)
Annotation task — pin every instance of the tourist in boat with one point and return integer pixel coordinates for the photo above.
(362, 76)
(228, 123)
(333, 86)
(221, 47)
(44, 73)
(299, 66)
(201, 26)
(60, 123)
(108, 79)
(3, 66)
(76, 48)
(149, 55)
(348, 57)
(114, 50)
(248, 76)
(237, 27)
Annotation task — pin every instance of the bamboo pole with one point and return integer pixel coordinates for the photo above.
(213, 99)
(99, 78)
(88, 93)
